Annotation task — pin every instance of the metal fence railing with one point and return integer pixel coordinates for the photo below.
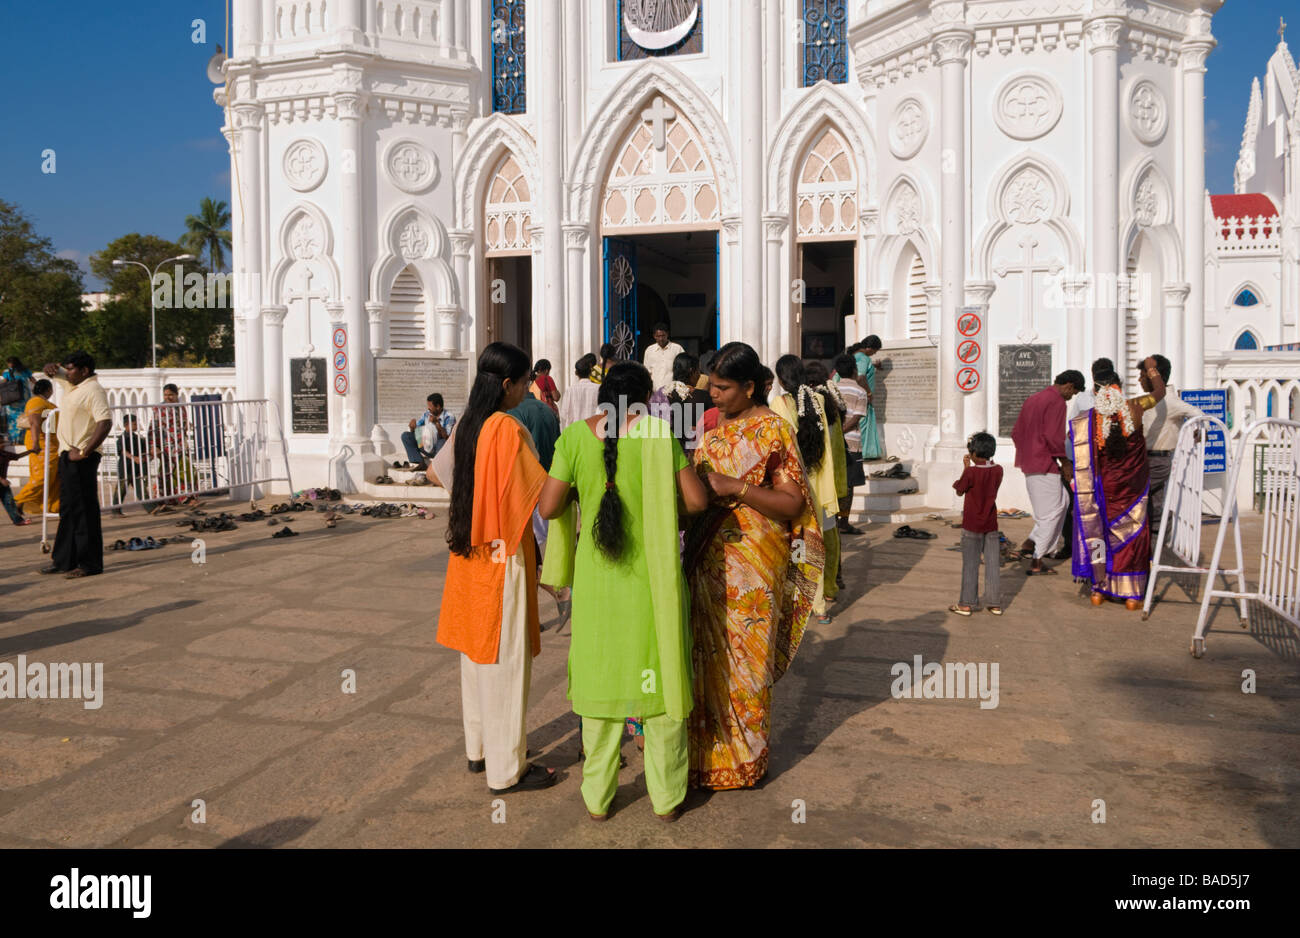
(163, 453)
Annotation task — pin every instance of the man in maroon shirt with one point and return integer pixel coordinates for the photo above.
(1039, 435)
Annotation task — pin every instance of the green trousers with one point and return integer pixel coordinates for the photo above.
(665, 762)
(831, 540)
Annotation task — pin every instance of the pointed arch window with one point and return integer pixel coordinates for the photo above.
(1245, 298)
(825, 46)
(508, 71)
(1246, 341)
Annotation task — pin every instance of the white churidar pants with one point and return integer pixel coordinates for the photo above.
(494, 697)
(1048, 500)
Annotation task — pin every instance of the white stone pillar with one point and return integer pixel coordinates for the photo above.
(351, 258)
(548, 341)
(583, 326)
(1175, 315)
(247, 216)
(876, 322)
(751, 180)
(1194, 51)
(575, 28)
(448, 315)
(731, 326)
(344, 431)
(462, 244)
(378, 340)
(247, 30)
(934, 307)
(347, 15)
(779, 329)
(773, 58)
(461, 26)
(951, 48)
(978, 294)
(272, 329)
(1103, 34)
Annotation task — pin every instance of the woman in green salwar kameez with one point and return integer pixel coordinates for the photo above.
(631, 645)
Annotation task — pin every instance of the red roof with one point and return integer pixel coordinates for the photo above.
(1237, 206)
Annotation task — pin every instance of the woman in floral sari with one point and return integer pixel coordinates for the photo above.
(754, 561)
(1112, 538)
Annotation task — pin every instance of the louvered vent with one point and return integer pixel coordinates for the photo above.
(406, 312)
(918, 311)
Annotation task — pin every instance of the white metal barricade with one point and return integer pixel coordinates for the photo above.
(1278, 587)
(1179, 524)
(157, 454)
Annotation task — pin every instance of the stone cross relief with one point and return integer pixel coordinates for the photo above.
(1027, 267)
(305, 294)
(658, 116)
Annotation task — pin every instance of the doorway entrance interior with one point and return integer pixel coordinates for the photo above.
(827, 271)
(510, 300)
(668, 277)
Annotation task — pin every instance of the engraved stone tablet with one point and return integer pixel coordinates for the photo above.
(403, 385)
(907, 386)
(309, 402)
(1023, 370)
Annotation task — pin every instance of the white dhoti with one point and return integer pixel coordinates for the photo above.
(1048, 501)
(494, 697)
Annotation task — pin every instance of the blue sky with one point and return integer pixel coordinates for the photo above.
(118, 91)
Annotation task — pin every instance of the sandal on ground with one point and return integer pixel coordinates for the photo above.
(285, 532)
(824, 619)
(996, 610)
(76, 573)
(22, 521)
(1041, 571)
(534, 779)
(960, 610)
(909, 490)
(671, 816)
(136, 543)
(119, 545)
(908, 531)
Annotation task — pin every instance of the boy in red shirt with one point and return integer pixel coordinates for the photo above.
(979, 526)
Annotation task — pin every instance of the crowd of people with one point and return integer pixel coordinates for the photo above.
(687, 516)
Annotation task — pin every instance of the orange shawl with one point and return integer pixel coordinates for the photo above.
(507, 484)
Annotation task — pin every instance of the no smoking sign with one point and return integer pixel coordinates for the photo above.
(970, 348)
(968, 379)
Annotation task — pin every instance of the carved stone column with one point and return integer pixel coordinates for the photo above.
(246, 258)
(782, 325)
(462, 247)
(877, 318)
(1194, 51)
(978, 294)
(272, 329)
(1103, 34)
(584, 327)
(350, 105)
(1176, 295)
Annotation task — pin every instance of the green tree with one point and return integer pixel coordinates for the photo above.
(40, 294)
(209, 231)
(189, 318)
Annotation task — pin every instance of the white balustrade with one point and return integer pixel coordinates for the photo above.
(1248, 234)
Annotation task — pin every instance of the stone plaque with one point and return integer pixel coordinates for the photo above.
(1023, 370)
(403, 385)
(309, 402)
(907, 385)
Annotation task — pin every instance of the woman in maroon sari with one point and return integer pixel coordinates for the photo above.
(1112, 539)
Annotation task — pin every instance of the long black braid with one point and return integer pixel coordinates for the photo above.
(625, 384)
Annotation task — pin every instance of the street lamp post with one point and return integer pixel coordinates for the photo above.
(153, 314)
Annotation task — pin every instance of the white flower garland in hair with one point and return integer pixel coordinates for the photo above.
(1109, 402)
(682, 389)
(833, 393)
(799, 396)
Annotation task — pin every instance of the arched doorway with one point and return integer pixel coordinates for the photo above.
(508, 255)
(659, 217)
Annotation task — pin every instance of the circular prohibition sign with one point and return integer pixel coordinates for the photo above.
(968, 352)
(968, 324)
(340, 361)
(341, 384)
(968, 379)
(340, 337)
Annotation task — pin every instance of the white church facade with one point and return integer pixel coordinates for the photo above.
(999, 190)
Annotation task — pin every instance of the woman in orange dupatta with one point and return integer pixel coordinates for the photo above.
(31, 497)
(489, 597)
(754, 561)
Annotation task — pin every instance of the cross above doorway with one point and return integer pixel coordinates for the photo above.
(658, 115)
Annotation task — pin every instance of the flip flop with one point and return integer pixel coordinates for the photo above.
(151, 544)
(960, 610)
(907, 531)
(910, 490)
(1042, 571)
(996, 610)
(136, 543)
(119, 545)
(285, 532)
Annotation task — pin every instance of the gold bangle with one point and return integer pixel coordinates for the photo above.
(743, 489)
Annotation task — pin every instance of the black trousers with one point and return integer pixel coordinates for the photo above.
(80, 539)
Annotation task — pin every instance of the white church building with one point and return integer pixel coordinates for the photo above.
(999, 189)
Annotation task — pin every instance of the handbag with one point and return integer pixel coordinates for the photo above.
(11, 392)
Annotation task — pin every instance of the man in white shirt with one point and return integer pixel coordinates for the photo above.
(84, 422)
(855, 411)
(1160, 426)
(659, 357)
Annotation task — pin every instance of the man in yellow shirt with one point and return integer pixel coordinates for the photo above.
(84, 423)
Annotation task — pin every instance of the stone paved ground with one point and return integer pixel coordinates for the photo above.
(222, 682)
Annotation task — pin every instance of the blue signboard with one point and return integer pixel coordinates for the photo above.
(1215, 403)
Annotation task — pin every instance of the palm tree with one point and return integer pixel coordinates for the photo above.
(209, 231)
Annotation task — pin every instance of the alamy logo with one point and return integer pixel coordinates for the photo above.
(55, 681)
(952, 680)
(103, 892)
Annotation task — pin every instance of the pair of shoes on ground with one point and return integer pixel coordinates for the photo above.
(75, 573)
(384, 479)
(140, 543)
(961, 610)
(917, 533)
(896, 471)
(285, 531)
